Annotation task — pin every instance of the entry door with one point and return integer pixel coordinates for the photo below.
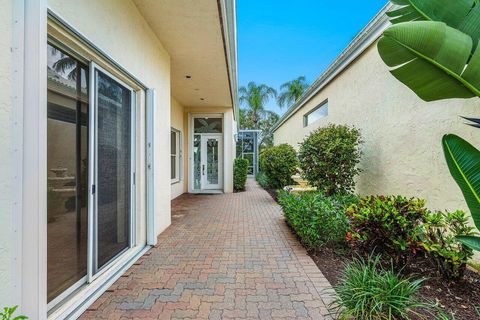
(211, 162)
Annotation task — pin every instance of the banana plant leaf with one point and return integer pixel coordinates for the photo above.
(463, 15)
(470, 241)
(432, 59)
(463, 161)
(475, 124)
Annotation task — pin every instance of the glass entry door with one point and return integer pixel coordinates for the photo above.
(211, 162)
(207, 153)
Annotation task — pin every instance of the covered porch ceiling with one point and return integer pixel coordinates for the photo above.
(193, 33)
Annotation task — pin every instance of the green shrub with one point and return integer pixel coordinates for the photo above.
(279, 163)
(438, 237)
(386, 224)
(262, 180)
(318, 220)
(240, 172)
(7, 314)
(329, 156)
(367, 291)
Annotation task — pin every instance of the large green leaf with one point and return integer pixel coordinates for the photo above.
(463, 161)
(463, 15)
(432, 59)
(470, 241)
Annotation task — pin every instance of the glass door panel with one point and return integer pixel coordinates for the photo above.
(67, 164)
(114, 168)
(197, 162)
(211, 162)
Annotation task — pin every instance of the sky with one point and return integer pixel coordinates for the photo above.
(280, 40)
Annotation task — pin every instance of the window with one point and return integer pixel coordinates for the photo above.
(321, 111)
(175, 155)
(208, 125)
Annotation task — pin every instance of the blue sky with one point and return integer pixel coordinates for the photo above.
(279, 40)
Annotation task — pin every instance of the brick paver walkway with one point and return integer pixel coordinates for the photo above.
(224, 257)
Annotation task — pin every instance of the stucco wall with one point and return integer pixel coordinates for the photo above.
(177, 122)
(6, 233)
(402, 134)
(118, 29)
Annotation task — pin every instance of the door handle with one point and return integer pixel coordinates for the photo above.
(203, 170)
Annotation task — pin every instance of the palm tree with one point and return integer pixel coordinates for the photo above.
(255, 97)
(291, 91)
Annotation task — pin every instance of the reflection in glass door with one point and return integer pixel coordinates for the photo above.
(67, 165)
(114, 180)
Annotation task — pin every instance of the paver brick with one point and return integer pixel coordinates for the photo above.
(227, 256)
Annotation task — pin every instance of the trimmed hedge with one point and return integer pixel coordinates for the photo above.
(240, 172)
(329, 156)
(317, 219)
(279, 164)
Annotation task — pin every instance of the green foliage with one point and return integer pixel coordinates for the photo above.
(387, 224)
(432, 59)
(432, 48)
(329, 156)
(262, 180)
(291, 91)
(463, 161)
(463, 14)
(438, 238)
(240, 172)
(367, 291)
(7, 314)
(279, 163)
(318, 220)
(254, 97)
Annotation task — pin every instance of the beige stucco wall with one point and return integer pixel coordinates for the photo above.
(119, 29)
(402, 134)
(177, 122)
(6, 231)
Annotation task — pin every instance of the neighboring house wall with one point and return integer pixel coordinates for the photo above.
(6, 162)
(401, 133)
(177, 119)
(128, 39)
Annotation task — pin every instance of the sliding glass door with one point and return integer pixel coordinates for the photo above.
(91, 172)
(67, 167)
(113, 185)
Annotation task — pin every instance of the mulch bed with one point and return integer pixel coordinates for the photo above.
(459, 298)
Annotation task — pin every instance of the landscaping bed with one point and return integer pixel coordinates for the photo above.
(458, 298)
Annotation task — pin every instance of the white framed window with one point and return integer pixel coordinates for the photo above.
(319, 112)
(175, 155)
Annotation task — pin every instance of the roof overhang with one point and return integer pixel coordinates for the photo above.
(359, 44)
(200, 37)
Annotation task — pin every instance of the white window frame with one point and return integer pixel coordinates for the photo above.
(324, 105)
(177, 155)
